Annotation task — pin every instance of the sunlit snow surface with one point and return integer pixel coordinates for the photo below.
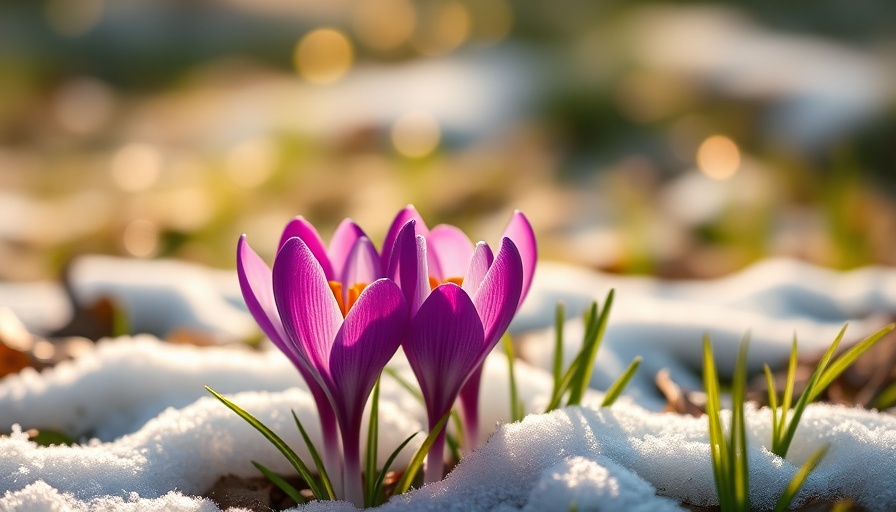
(158, 440)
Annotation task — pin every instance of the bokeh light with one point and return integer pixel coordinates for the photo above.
(323, 56)
(136, 167)
(416, 134)
(141, 238)
(446, 26)
(384, 24)
(718, 157)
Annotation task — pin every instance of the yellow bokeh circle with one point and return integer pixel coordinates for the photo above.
(323, 56)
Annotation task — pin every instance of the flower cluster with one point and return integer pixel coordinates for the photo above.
(340, 313)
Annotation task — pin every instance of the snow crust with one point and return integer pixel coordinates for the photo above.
(154, 440)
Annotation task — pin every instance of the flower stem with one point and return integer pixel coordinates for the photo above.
(332, 451)
(354, 485)
(435, 459)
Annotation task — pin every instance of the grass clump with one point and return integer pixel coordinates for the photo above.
(729, 453)
(828, 369)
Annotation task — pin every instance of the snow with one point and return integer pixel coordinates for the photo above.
(153, 439)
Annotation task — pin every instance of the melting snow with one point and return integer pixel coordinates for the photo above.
(153, 440)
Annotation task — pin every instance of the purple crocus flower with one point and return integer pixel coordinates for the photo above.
(454, 327)
(257, 286)
(339, 333)
(448, 258)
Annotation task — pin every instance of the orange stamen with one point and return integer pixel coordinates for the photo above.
(353, 293)
(336, 288)
(346, 302)
(433, 282)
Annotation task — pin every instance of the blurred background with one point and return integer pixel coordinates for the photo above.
(678, 138)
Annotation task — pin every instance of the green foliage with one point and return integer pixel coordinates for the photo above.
(417, 460)
(51, 438)
(576, 378)
(451, 440)
(321, 469)
(620, 384)
(799, 479)
(559, 321)
(886, 398)
(280, 482)
(783, 430)
(595, 326)
(517, 410)
(729, 455)
(274, 439)
(374, 494)
(372, 441)
(380, 479)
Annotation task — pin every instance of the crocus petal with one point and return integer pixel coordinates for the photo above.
(479, 264)
(520, 231)
(451, 249)
(443, 346)
(408, 213)
(258, 292)
(408, 267)
(368, 339)
(344, 238)
(256, 284)
(362, 265)
(303, 229)
(307, 307)
(498, 296)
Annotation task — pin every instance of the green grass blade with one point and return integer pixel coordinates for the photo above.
(121, 322)
(790, 427)
(593, 336)
(451, 440)
(315, 456)
(459, 432)
(559, 321)
(378, 485)
(799, 479)
(566, 380)
(619, 386)
(563, 387)
(516, 413)
(886, 398)
(787, 398)
(822, 377)
(453, 446)
(783, 444)
(280, 482)
(372, 440)
(717, 444)
(844, 361)
(584, 367)
(275, 440)
(738, 451)
(417, 460)
(772, 401)
(576, 366)
(829, 354)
